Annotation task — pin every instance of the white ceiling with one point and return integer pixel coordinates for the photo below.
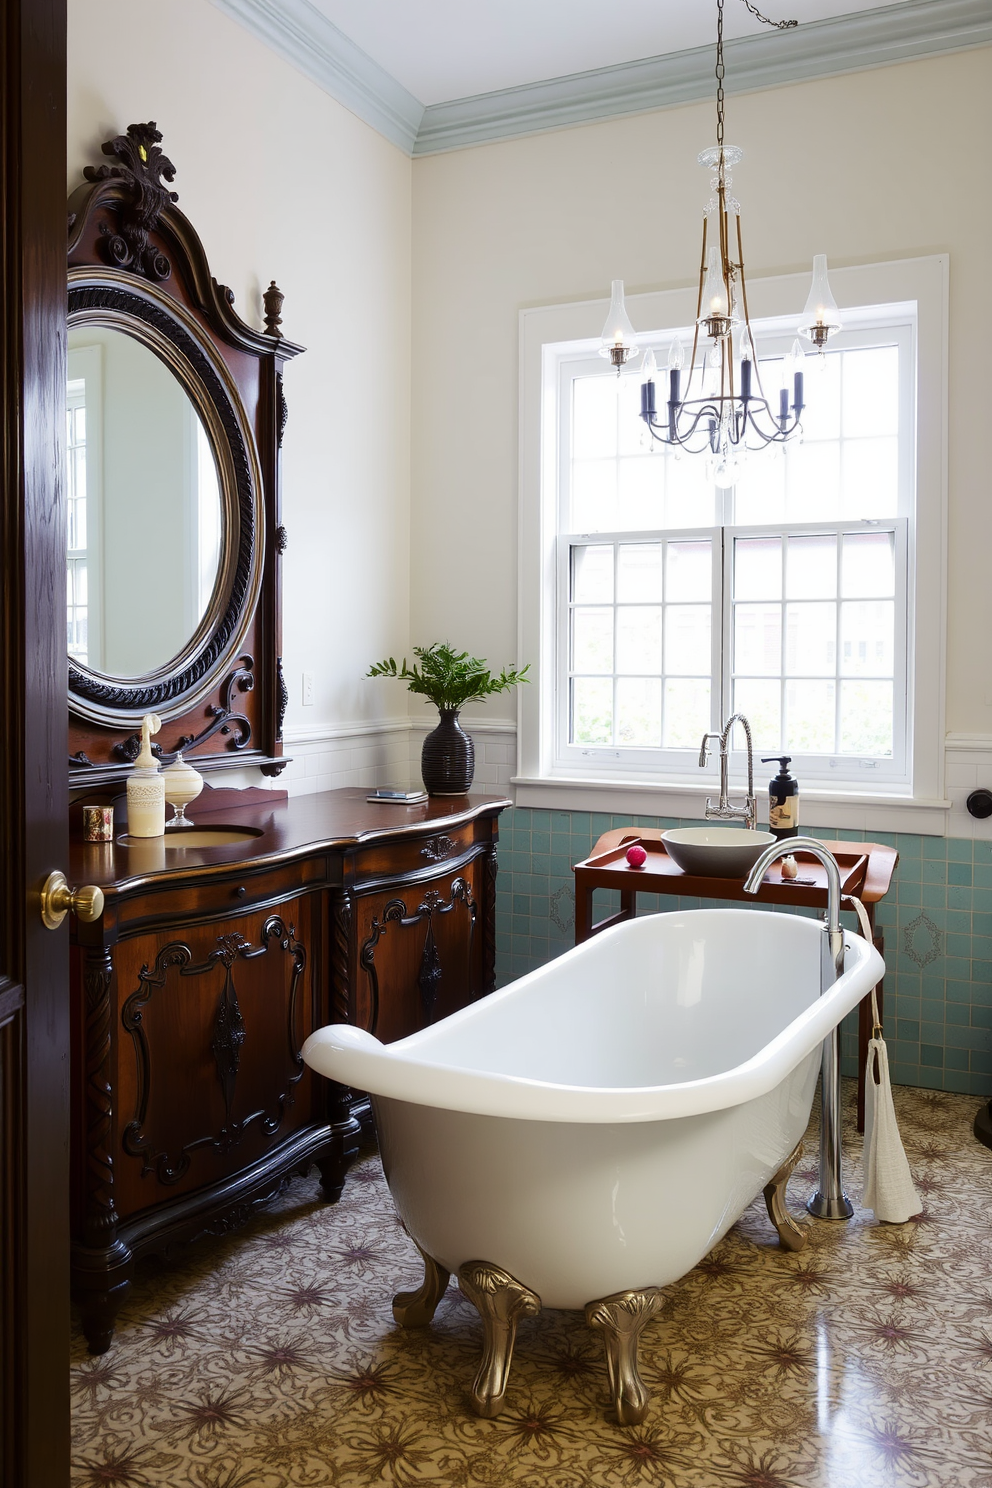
(446, 49)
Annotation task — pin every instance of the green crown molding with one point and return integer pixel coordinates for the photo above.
(850, 43)
(894, 33)
(316, 47)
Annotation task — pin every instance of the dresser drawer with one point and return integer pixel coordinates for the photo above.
(239, 887)
(380, 863)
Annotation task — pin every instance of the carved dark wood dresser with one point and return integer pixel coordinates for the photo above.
(206, 971)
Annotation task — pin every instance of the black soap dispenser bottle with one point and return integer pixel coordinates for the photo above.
(783, 799)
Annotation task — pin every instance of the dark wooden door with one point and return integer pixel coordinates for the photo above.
(33, 766)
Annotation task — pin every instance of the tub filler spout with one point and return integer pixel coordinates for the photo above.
(830, 1200)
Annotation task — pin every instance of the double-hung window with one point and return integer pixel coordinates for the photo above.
(792, 595)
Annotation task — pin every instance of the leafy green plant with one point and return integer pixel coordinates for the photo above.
(448, 678)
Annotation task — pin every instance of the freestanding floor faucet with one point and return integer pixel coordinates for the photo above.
(830, 1200)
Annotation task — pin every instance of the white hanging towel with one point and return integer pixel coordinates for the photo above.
(889, 1188)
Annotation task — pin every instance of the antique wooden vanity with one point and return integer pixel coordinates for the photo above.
(207, 969)
(202, 960)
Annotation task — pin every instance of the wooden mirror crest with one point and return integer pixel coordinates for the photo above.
(175, 414)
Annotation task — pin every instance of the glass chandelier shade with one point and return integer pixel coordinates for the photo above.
(618, 333)
(716, 403)
(821, 318)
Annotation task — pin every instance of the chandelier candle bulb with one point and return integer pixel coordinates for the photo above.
(649, 370)
(618, 333)
(821, 318)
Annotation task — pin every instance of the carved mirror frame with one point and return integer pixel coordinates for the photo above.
(137, 265)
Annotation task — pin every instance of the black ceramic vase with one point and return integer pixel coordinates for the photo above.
(447, 760)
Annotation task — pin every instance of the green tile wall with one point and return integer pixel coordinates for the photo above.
(937, 920)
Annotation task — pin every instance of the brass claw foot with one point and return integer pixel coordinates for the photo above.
(622, 1318)
(501, 1302)
(791, 1236)
(415, 1309)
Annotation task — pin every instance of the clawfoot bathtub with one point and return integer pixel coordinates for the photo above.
(583, 1137)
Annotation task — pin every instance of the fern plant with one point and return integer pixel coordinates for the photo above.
(448, 678)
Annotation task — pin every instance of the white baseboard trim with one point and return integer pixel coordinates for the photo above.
(324, 733)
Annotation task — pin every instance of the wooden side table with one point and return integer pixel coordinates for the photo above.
(866, 870)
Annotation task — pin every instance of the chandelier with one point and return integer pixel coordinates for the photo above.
(720, 408)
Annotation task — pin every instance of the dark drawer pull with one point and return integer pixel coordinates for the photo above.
(240, 892)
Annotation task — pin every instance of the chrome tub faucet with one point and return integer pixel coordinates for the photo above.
(725, 810)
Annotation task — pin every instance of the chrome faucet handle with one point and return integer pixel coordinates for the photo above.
(727, 811)
(703, 755)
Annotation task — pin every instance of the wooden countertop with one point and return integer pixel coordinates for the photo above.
(289, 827)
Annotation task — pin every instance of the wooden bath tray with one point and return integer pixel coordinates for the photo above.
(617, 873)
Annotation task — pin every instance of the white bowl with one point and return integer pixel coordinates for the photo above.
(716, 852)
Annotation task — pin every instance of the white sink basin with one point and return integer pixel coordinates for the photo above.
(716, 852)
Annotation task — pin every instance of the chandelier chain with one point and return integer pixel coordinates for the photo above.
(720, 69)
(779, 25)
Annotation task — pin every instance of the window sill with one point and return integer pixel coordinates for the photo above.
(846, 810)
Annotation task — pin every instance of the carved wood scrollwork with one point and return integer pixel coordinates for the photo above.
(489, 923)
(282, 697)
(437, 849)
(229, 1035)
(143, 167)
(431, 972)
(223, 718)
(340, 957)
(282, 411)
(275, 932)
(229, 1025)
(101, 1214)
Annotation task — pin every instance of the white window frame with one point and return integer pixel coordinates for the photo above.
(866, 294)
(86, 364)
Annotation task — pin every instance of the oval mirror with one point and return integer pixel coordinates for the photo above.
(146, 517)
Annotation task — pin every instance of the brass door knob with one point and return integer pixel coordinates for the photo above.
(57, 899)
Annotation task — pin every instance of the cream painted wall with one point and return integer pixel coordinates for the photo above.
(867, 167)
(282, 182)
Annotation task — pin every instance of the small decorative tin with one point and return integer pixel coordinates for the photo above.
(98, 823)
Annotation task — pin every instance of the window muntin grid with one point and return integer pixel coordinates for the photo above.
(839, 686)
(815, 638)
(640, 641)
(77, 600)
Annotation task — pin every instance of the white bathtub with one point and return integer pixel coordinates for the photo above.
(599, 1124)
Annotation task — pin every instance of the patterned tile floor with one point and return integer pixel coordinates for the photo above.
(271, 1360)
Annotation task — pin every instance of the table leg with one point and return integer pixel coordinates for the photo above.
(865, 1021)
(583, 911)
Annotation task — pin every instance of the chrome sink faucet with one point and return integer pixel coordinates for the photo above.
(725, 810)
(830, 1200)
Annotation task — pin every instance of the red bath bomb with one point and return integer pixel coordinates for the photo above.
(636, 856)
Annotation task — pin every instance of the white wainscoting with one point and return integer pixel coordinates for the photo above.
(967, 767)
(388, 753)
